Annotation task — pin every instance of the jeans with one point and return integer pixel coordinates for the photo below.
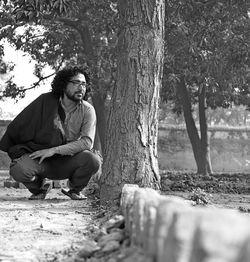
(77, 168)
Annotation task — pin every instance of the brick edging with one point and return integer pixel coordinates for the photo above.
(171, 229)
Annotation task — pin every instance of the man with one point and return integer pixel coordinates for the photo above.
(53, 137)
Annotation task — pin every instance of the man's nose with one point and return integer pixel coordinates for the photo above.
(81, 87)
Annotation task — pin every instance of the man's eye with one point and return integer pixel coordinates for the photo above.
(75, 82)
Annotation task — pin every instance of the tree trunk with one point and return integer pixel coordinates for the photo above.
(204, 167)
(131, 150)
(100, 109)
(192, 131)
(199, 143)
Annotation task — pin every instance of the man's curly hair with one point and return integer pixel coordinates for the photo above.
(63, 77)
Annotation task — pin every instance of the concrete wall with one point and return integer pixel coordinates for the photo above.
(230, 151)
(171, 229)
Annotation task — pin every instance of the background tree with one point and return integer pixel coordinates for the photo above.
(131, 152)
(207, 61)
(56, 33)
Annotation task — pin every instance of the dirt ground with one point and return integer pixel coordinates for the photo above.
(56, 228)
(48, 230)
(218, 190)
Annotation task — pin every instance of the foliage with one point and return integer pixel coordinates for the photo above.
(53, 32)
(208, 43)
(200, 197)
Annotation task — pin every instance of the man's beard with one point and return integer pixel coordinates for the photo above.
(74, 97)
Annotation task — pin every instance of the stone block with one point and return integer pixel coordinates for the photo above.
(244, 254)
(137, 216)
(10, 183)
(127, 200)
(177, 245)
(220, 236)
(143, 199)
(150, 209)
(164, 216)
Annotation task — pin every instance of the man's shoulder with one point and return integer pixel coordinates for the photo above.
(47, 98)
(86, 105)
(47, 95)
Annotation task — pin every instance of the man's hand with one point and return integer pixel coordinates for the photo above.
(42, 154)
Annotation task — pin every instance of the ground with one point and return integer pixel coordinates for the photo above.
(57, 228)
(48, 230)
(218, 190)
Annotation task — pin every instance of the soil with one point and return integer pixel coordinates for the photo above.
(43, 230)
(218, 190)
(56, 228)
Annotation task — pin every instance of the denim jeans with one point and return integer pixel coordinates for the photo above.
(77, 168)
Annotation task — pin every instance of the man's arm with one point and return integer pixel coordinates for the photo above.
(71, 148)
(74, 147)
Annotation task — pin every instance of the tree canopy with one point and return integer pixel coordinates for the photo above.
(60, 32)
(208, 43)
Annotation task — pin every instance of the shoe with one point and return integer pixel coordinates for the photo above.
(74, 195)
(44, 191)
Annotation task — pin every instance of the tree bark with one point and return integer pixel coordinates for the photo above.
(131, 150)
(192, 131)
(199, 142)
(204, 167)
(100, 109)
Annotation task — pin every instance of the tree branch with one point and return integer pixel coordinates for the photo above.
(69, 22)
(38, 82)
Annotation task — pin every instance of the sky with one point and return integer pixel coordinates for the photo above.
(23, 75)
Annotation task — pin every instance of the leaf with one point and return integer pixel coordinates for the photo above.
(56, 4)
(61, 6)
(31, 15)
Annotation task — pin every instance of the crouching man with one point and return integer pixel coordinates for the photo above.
(53, 137)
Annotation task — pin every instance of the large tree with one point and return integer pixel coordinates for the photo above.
(131, 152)
(207, 61)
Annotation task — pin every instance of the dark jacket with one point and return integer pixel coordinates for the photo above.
(38, 126)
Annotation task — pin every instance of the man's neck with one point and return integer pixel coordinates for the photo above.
(68, 104)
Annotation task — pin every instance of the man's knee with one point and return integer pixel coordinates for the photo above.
(95, 162)
(92, 161)
(21, 171)
(18, 172)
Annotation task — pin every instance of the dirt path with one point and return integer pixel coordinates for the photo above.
(48, 230)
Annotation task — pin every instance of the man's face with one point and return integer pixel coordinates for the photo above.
(76, 88)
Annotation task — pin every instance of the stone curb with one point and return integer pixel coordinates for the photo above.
(9, 182)
(171, 229)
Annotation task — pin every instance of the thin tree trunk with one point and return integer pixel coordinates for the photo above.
(199, 143)
(205, 166)
(192, 131)
(131, 150)
(99, 105)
